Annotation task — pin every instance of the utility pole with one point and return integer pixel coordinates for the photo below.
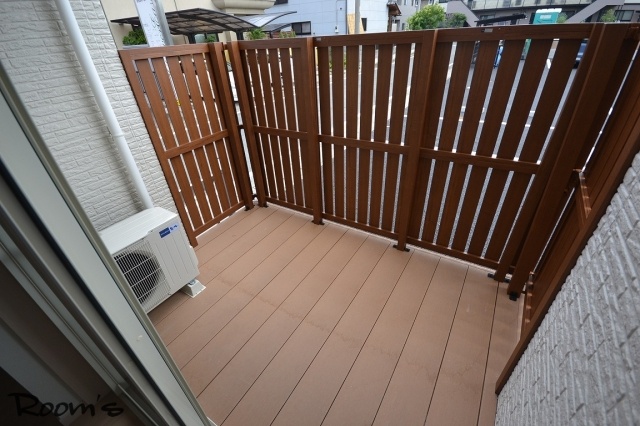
(357, 17)
(154, 23)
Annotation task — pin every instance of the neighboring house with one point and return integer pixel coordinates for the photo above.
(625, 10)
(328, 17)
(117, 9)
(595, 318)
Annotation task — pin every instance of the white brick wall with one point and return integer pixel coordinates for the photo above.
(583, 364)
(41, 63)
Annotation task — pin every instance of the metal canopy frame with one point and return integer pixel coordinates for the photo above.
(189, 22)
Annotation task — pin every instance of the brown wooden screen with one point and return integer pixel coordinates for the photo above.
(185, 100)
(420, 137)
(277, 100)
(587, 179)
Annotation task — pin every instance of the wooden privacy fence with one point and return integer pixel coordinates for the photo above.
(187, 105)
(421, 139)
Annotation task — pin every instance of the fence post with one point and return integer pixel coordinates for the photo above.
(416, 127)
(241, 86)
(309, 98)
(219, 66)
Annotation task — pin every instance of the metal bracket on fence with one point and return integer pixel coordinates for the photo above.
(492, 275)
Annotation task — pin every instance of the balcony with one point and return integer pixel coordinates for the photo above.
(362, 153)
(308, 324)
(508, 4)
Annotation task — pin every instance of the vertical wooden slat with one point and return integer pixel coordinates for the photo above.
(292, 124)
(383, 83)
(396, 127)
(324, 92)
(366, 119)
(239, 72)
(274, 63)
(239, 164)
(337, 86)
(261, 120)
(351, 118)
(267, 76)
(299, 69)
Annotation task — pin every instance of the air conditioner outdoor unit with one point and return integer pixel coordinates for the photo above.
(153, 253)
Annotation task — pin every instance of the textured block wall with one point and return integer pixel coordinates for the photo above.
(38, 56)
(583, 364)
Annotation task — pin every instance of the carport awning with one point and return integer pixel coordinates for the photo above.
(201, 21)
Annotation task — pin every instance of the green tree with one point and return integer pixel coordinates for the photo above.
(134, 37)
(455, 20)
(608, 16)
(429, 17)
(562, 18)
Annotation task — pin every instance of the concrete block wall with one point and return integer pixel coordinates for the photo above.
(583, 364)
(37, 54)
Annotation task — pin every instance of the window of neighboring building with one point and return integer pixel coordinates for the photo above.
(281, 2)
(301, 28)
(624, 15)
(364, 23)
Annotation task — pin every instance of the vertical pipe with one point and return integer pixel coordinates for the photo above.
(82, 52)
(357, 17)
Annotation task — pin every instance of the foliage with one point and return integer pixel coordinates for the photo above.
(257, 34)
(455, 20)
(562, 18)
(211, 38)
(429, 17)
(287, 34)
(134, 37)
(608, 16)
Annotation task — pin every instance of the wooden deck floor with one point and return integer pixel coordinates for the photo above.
(303, 324)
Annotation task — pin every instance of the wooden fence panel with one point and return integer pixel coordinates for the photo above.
(184, 110)
(273, 74)
(486, 133)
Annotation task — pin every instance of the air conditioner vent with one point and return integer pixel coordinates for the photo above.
(142, 272)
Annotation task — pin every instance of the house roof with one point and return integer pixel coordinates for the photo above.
(199, 21)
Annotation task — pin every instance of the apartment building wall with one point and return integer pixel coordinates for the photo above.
(38, 56)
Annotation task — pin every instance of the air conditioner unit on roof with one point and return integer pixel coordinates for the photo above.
(153, 253)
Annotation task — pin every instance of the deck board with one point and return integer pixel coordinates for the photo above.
(308, 324)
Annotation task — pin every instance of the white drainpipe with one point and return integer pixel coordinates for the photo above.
(82, 52)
